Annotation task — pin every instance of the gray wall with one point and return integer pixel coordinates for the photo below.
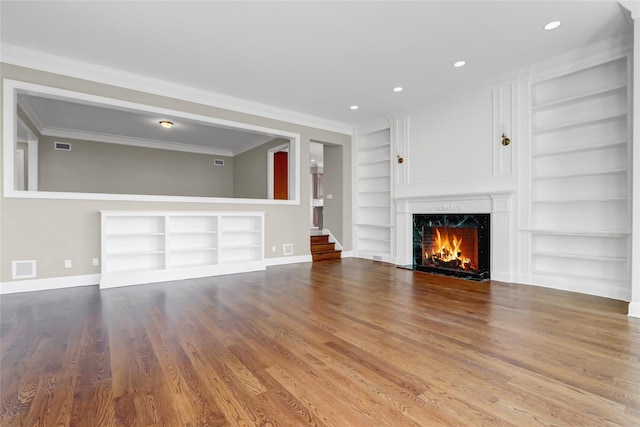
(250, 171)
(97, 167)
(50, 231)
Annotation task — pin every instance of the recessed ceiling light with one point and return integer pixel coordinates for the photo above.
(165, 123)
(552, 25)
(459, 64)
(354, 107)
(397, 89)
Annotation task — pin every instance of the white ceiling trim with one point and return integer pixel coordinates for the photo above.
(254, 144)
(136, 142)
(28, 110)
(633, 7)
(597, 53)
(82, 70)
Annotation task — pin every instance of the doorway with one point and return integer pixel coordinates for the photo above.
(316, 159)
(326, 161)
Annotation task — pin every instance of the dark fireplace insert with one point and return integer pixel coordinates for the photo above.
(452, 244)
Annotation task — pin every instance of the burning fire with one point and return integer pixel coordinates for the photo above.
(446, 251)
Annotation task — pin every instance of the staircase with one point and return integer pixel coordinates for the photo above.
(322, 249)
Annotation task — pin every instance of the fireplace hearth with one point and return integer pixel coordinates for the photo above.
(452, 244)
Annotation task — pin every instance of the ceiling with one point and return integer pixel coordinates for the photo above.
(85, 121)
(316, 58)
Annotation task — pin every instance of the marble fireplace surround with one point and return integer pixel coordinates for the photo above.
(503, 232)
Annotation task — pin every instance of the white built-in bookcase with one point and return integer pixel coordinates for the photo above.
(154, 246)
(373, 195)
(580, 180)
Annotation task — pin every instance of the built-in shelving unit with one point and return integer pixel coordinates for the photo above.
(373, 195)
(155, 246)
(580, 185)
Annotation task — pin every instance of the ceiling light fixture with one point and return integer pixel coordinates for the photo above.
(354, 107)
(165, 123)
(552, 25)
(459, 64)
(397, 89)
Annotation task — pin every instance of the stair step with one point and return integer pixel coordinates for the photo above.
(322, 247)
(324, 238)
(321, 256)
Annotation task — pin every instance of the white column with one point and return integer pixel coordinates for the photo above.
(502, 237)
(634, 305)
(404, 233)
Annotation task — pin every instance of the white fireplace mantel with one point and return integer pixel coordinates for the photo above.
(503, 232)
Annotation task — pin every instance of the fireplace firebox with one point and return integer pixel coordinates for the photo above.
(452, 244)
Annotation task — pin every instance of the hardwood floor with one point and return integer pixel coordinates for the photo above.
(335, 343)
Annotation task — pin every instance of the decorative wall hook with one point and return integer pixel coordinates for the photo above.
(400, 159)
(505, 141)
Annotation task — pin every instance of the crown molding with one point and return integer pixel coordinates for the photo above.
(254, 144)
(136, 142)
(631, 6)
(373, 126)
(29, 58)
(28, 110)
(595, 54)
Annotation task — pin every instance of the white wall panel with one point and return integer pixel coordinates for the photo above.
(452, 141)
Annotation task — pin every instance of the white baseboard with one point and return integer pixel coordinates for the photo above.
(585, 287)
(117, 279)
(502, 276)
(287, 260)
(634, 309)
(347, 254)
(32, 285)
(376, 257)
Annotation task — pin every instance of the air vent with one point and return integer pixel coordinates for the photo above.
(287, 249)
(23, 269)
(64, 146)
(218, 162)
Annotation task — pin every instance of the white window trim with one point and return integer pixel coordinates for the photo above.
(10, 93)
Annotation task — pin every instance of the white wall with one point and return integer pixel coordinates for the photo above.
(452, 141)
(455, 147)
(454, 159)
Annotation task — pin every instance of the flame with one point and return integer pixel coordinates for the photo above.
(446, 249)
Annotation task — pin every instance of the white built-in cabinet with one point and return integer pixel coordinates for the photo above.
(373, 210)
(580, 180)
(156, 246)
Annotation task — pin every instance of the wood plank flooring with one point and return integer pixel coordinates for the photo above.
(338, 343)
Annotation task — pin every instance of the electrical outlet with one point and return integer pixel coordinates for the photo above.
(273, 248)
(67, 263)
(95, 261)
